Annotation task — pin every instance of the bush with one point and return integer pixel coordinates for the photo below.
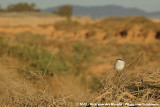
(79, 57)
(32, 56)
(76, 58)
(65, 10)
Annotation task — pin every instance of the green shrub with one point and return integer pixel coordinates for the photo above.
(66, 11)
(33, 56)
(79, 57)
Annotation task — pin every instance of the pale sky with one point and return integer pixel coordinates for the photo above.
(147, 5)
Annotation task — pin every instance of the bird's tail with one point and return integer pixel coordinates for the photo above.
(110, 70)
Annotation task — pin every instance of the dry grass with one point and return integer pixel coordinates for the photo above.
(131, 88)
(19, 92)
(33, 90)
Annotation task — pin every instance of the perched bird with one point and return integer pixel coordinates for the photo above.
(119, 65)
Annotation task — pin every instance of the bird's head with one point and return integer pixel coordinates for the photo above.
(121, 59)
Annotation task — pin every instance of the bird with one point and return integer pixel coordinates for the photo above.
(119, 65)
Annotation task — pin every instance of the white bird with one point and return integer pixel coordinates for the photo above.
(119, 65)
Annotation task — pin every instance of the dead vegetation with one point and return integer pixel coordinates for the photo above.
(33, 91)
(131, 87)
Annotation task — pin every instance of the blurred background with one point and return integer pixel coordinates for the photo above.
(61, 49)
